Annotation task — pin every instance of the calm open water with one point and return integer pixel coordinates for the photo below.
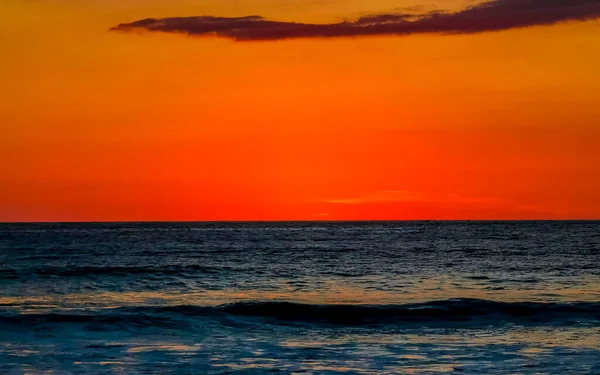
(302, 298)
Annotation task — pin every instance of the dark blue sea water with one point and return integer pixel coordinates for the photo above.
(300, 298)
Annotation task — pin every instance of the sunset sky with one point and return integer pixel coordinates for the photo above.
(127, 110)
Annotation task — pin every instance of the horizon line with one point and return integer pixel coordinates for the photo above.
(293, 221)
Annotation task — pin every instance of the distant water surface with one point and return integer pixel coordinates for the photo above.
(304, 298)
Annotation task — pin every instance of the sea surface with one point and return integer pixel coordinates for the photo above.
(300, 298)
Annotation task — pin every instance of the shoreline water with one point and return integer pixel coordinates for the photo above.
(309, 298)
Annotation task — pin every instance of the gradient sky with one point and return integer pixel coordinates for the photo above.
(136, 124)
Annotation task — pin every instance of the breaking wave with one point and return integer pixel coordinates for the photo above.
(461, 311)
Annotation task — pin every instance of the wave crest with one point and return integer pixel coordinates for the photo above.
(460, 311)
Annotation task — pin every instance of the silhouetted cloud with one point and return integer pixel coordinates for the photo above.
(492, 15)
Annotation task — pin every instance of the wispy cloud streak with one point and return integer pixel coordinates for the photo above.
(494, 15)
(397, 196)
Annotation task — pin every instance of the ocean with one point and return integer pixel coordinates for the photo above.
(300, 298)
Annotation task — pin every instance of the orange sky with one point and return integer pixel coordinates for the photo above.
(100, 126)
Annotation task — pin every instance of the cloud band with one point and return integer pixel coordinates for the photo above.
(488, 16)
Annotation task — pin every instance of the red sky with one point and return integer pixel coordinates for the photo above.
(98, 125)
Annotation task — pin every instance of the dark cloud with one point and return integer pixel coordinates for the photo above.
(492, 15)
